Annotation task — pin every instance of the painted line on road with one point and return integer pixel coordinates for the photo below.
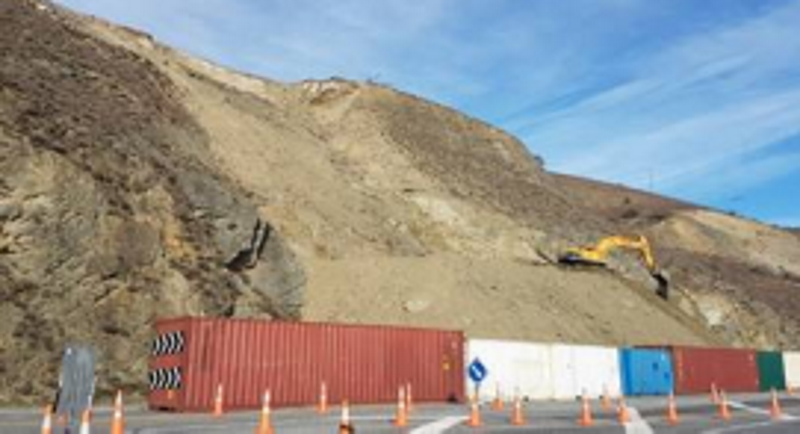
(439, 426)
(756, 410)
(637, 425)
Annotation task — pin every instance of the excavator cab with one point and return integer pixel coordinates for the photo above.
(597, 255)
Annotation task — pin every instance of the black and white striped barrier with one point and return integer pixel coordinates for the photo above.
(165, 379)
(168, 343)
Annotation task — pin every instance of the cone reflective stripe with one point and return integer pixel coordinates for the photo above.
(118, 421)
(344, 425)
(497, 404)
(86, 422)
(606, 400)
(672, 410)
(401, 418)
(47, 420)
(517, 417)
(775, 411)
(586, 412)
(218, 402)
(322, 407)
(409, 401)
(623, 415)
(265, 422)
(724, 411)
(474, 413)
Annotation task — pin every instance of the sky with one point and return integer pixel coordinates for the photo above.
(694, 100)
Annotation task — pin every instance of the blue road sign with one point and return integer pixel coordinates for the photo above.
(477, 371)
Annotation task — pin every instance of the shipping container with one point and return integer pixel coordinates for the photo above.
(695, 369)
(576, 370)
(771, 370)
(516, 367)
(363, 364)
(645, 371)
(791, 365)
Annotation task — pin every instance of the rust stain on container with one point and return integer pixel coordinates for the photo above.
(696, 369)
(363, 364)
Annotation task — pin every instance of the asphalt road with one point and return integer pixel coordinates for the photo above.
(697, 415)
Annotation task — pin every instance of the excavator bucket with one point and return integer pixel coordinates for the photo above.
(663, 284)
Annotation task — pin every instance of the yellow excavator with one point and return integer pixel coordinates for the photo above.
(598, 253)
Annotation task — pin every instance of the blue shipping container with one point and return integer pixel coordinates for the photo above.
(645, 372)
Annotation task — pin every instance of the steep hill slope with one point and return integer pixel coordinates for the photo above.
(138, 182)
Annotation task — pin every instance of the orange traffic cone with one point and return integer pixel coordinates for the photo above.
(623, 415)
(714, 393)
(322, 406)
(86, 422)
(47, 420)
(218, 402)
(474, 413)
(790, 390)
(401, 418)
(775, 408)
(118, 422)
(586, 412)
(497, 403)
(606, 399)
(345, 426)
(265, 422)
(517, 418)
(409, 401)
(724, 411)
(672, 410)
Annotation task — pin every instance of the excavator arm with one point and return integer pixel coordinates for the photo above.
(597, 254)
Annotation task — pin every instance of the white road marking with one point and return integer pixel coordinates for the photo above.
(439, 426)
(637, 425)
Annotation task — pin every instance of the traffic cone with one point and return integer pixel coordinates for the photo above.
(47, 420)
(474, 414)
(409, 401)
(401, 418)
(724, 411)
(623, 416)
(86, 422)
(118, 422)
(672, 410)
(775, 408)
(714, 393)
(497, 403)
(606, 400)
(790, 390)
(265, 422)
(586, 412)
(322, 406)
(345, 427)
(218, 402)
(517, 418)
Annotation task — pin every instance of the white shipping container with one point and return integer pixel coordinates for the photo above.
(584, 369)
(517, 367)
(791, 366)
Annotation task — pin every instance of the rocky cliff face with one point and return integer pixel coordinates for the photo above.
(112, 212)
(137, 182)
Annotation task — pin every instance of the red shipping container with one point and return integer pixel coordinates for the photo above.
(731, 370)
(363, 364)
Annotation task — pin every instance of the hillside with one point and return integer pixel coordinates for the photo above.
(139, 182)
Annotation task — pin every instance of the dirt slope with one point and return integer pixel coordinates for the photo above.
(138, 182)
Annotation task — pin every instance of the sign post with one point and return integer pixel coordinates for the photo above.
(477, 373)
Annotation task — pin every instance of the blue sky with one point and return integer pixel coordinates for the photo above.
(697, 100)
